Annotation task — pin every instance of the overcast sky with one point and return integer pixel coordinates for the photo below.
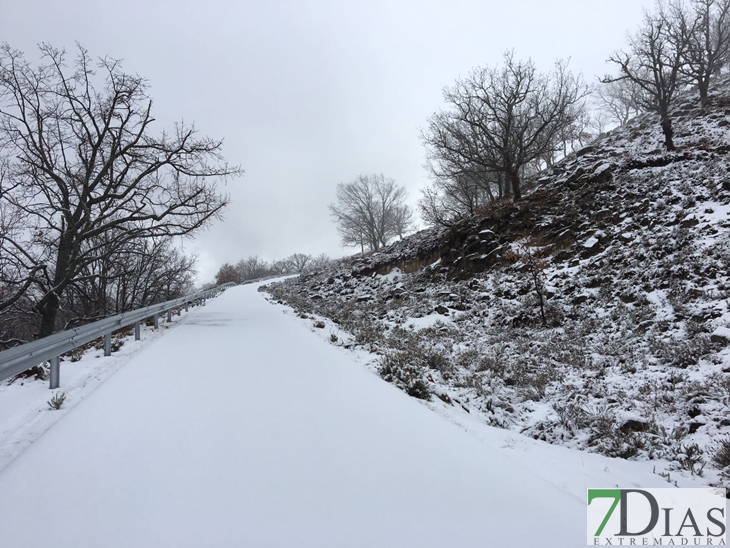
(311, 93)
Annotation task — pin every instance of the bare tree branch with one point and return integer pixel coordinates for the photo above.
(81, 163)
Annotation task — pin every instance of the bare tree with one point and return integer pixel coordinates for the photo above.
(446, 201)
(369, 211)
(252, 268)
(501, 119)
(402, 220)
(708, 40)
(619, 99)
(151, 270)
(141, 273)
(18, 268)
(298, 262)
(533, 259)
(319, 262)
(655, 63)
(146, 271)
(84, 169)
(281, 267)
(568, 139)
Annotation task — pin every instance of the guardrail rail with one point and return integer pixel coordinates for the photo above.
(49, 349)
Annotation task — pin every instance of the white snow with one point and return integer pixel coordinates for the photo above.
(24, 411)
(590, 242)
(241, 428)
(427, 321)
(602, 168)
(392, 276)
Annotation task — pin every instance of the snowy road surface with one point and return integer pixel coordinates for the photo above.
(240, 428)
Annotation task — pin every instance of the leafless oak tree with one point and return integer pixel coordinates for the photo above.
(145, 271)
(252, 268)
(402, 220)
(446, 201)
(82, 166)
(370, 211)
(501, 119)
(619, 99)
(708, 40)
(298, 262)
(655, 62)
(319, 262)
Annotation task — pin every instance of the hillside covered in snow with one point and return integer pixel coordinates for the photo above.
(626, 246)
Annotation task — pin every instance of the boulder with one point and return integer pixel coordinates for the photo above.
(721, 335)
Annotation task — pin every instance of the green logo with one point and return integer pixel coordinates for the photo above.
(614, 494)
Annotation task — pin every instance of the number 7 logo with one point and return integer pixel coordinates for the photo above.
(614, 494)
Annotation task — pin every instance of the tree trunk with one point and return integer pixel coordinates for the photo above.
(515, 182)
(668, 132)
(703, 85)
(49, 305)
(48, 312)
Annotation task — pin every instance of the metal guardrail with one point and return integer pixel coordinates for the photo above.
(19, 358)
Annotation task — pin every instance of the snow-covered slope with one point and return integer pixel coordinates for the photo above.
(632, 245)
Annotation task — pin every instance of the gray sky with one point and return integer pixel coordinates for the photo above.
(311, 93)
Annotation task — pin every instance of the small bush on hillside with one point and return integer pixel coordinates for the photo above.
(571, 416)
(494, 360)
(437, 360)
(367, 335)
(621, 444)
(682, 353)
(402, 369)
(689, 457)
(721, 457)
(536, 384)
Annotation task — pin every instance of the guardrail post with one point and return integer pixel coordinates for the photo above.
(55, 372)
(169, 316)
(178, 311)
(136, 331)
(157, 321)
(186, 306)
(108, 344)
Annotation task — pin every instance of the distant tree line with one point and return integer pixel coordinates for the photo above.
(254, 268)
(91, 197)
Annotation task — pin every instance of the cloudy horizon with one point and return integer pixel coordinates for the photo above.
(312, 93)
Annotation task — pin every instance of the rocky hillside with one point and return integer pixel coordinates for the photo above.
(626, 246)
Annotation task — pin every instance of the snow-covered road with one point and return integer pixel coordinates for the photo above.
(240, 428)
